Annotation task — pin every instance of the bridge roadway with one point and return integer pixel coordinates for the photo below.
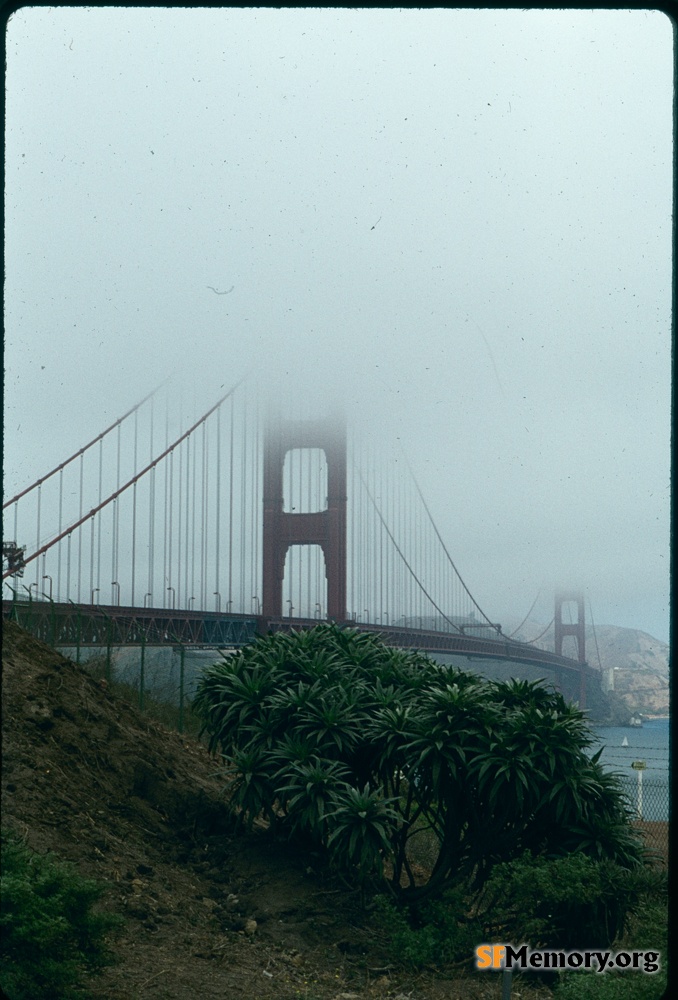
(71, 625)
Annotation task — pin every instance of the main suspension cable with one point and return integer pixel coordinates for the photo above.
(403, 557)
(149, 468)
(526, 616)
(438, 535)
(82, 450)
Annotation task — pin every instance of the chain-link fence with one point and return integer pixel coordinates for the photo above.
(648, 799)
(639, 757)
(160, 681)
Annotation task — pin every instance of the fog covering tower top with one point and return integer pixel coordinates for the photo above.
(326, 528)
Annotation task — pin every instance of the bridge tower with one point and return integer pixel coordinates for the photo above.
(577, 629)
(326, 528)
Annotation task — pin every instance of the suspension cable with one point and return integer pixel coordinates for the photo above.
(529, 642)
(439, 537)
(82, 450)
(402, 555)
(595, 639)
(526, 616)
(130, 482)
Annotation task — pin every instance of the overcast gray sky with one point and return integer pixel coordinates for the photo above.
(458, 220)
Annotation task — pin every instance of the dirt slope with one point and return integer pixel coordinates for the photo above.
(209, 913)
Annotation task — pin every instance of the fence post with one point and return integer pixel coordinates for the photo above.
(141, 672)
(29, 616)
(108, 651)
(77, 638)
(181, 688)
(639, 766)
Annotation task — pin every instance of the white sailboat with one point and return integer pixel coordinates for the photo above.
(625, 742)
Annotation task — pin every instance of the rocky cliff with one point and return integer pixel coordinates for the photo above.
(633, 662)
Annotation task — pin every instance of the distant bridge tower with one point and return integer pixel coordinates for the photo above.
(326, 528)
(577, 629)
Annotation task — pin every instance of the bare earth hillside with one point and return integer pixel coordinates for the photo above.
(209, 913)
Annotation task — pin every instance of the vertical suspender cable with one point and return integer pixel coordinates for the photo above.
(151, 537)
(360, 526)
(187, 547)
(116, 527)
(349, 525)
(61, 497)
(134, 513)
(259, 505)
(206, 524)
(369, 557)
(365, 534)
(180, 493)
(37, 545)
(383, 542)
(253, 508)
(374, 599)
(117, 520)
(92, 590)
(302, 549)
(202, 518)
(170, 579)
(243, 504)
(151, 515)
(230, 511)
(418, 561)
(389, 559)
(310, 550)
(217, 515)
(390, 565)
(402, 583)
(165, 580)
(99, 519)
(192, 595)
(68, 568)
(80, 533)
(367, 554)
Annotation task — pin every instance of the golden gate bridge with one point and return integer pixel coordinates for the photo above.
(205, 530)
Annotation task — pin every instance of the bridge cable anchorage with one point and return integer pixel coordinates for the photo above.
(151, 466)
(445, 550)
(404, 559)
(85, 448)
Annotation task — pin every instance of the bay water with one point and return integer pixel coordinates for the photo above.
(648, 744)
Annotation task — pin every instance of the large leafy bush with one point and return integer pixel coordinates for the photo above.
(361, 748)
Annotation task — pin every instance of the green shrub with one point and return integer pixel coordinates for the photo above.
(365, 749)
(435, 933)
(647, 931)
(611, 986)
(49, 930)
(562, 903)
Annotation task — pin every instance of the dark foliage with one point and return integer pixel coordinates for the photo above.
(50, 929)
(340, 739)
